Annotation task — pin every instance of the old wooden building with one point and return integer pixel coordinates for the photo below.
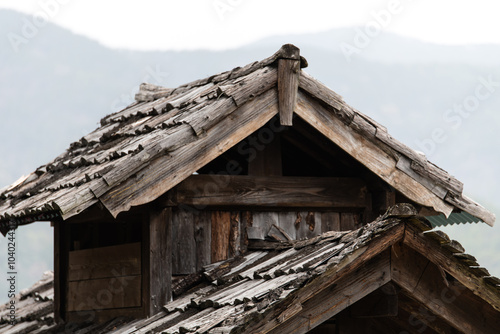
(257, 201)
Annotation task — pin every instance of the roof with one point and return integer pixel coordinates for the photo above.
(139, 153)
(275, 283)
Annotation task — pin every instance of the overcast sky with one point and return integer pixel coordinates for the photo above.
(222, 24)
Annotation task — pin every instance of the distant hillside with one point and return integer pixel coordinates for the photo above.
(59, 85)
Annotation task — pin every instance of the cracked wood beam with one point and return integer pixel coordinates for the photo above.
(288, 85)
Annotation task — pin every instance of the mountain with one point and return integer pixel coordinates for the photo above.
(441, 100)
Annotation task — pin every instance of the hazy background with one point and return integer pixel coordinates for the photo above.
(414, 66)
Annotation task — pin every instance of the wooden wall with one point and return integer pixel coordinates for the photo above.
(104, 278)
(209, 236)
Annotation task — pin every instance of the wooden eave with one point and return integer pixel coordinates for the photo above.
(141, 152)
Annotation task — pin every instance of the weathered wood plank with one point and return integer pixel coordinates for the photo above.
(234, 234)
(202, 237)
(159, 265)
(184, 245)
(104, 261)
(309, 226)
(366, 152)
(469, 206)
(349, 221)
(460, 271)
(454, 303)
(286, 221)
(263, 221)
(288, 85)
(344, 269)
(104, 293)
(330, 221)
(221, 228)
(423, 319)
(163, 173)
(330, 300)
(321, 92)
(439, 175)
(404, 165)
(242, 190)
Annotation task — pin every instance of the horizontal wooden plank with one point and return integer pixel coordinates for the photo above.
(105, 262)
(104, 293)
(242, 190)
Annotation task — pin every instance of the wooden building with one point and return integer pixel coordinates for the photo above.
(260, 202)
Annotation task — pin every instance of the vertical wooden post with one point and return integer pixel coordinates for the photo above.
(288, 84)
(157, 260)
(61, 253)
(57, 272)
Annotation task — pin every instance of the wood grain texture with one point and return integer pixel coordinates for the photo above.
(330, 300)
(434, 252)
(241, 190)
(366, 152)
(104, 293)
(428, 285)
(330, 221)
(183, 245)
(202, 237)
(318, 286)
(102, 262)
(160, 260)
(221, 229)
(288, 84)
(165, 172)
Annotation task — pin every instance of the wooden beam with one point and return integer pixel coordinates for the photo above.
(416, 240)
(417, 318)
(426, 283)
(240, 190)
(288, 84)
(366, 152)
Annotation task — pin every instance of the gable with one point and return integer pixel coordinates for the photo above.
(141, 152)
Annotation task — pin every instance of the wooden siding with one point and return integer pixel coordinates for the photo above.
(104, 278)
(209, 236)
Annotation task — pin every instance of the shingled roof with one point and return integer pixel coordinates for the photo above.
(279, 285)
(139, 153)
